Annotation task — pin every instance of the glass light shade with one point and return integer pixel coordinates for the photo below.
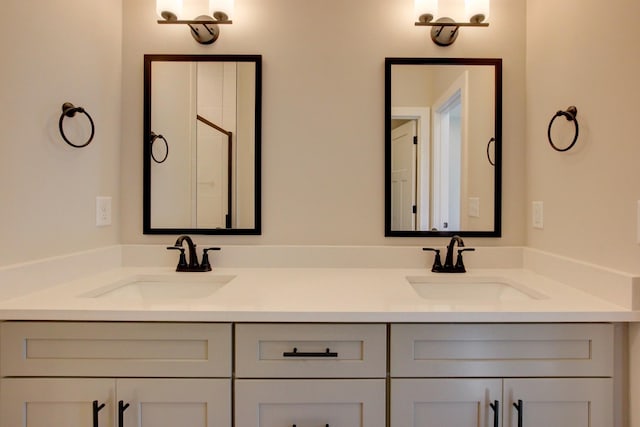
(477, 8)
(221, 6)
(422, 8)
(169, 6)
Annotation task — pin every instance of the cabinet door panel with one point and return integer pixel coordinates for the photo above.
(310, 403)
(55, 402)
(561, 402)
(444, 402)
(176, 402)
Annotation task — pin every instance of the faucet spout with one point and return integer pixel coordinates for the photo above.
(448, 261)
(193, 256)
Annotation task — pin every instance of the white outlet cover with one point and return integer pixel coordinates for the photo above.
(538, 215)
(474, 207)
(103, 211)
(638, 223)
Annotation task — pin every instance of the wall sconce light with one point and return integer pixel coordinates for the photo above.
(204, 28)
(444, 30)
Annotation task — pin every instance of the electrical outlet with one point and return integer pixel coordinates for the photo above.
(103, 211)
(638, 223)
(474, 207)
(538, 215)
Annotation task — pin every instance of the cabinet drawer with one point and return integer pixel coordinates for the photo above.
(310, 351)
(52, 349)
(279, 403)
(502, 350)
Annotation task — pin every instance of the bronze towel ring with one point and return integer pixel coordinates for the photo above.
(70, 110)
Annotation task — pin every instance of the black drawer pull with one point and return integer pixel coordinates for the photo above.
(296, 353)
(121, 408)
(326, 425)
(520, 408)
(96, 409)
(496, 412)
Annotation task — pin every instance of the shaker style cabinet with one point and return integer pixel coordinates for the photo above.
(57, 402)
(557, 402)
(136, 374)
(128, 402)
(310, 375)
(151, 375)
(449, 375)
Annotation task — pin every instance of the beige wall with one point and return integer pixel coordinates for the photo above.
(323, 105)
(589, 193)
(55, 51)
(323, 132)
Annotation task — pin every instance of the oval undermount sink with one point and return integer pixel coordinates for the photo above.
(471, 289)
(163, 288)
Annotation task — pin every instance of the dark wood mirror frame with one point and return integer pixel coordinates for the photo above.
(497, 64)
(147, 226)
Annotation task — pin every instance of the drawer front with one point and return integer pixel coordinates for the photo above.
(310, 351)
(280, 403)
(53, 349)
(502, 350)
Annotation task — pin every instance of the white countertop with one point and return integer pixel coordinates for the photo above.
(313, 295)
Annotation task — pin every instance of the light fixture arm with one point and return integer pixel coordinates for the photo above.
(444, 30)
(446, 38)
(204, 28)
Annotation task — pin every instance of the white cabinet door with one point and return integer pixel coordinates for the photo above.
(310, 403)
(561, 402)
(57, 402)
(174, 402)
(445, 402)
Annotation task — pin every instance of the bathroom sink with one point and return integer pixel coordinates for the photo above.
(471, 289)
(161, 288)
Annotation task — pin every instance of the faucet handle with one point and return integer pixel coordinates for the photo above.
(206, 265)
(459, 263)
(182, 263)
(437, 263)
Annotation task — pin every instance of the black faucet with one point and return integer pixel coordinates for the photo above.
(449, 266)
(193, 264)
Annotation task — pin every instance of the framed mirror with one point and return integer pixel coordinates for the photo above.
(443, 139)
(202, 139)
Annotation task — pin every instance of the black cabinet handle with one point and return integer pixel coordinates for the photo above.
(296, 353)
(326, 425)
(496, 412)
(520, 408)
(96, 409)
(121, 408)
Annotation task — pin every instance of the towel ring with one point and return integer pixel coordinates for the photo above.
(70, 110)
(154, 136)
(570, 115)
(491, 162)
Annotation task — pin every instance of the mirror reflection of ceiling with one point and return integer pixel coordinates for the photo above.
(206, 108)
(443, 132)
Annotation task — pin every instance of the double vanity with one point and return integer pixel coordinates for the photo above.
(311, 340)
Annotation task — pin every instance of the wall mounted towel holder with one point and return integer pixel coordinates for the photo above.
(155, 137)
(491, 162)
(570, 114)
(70, 110)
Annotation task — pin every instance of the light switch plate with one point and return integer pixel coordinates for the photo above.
(103, 211)
(538, 215)
(638, 223)
(474, 207)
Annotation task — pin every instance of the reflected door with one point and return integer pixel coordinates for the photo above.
(447, 165)
(403, 176)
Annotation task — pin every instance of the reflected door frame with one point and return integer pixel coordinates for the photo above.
(444, 205)
(423, 168)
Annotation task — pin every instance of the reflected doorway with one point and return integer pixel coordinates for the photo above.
(447, 162)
